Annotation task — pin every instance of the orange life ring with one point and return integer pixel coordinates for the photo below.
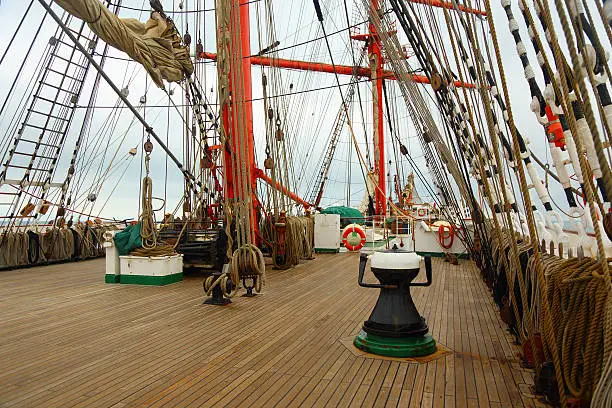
(352, 230)
(421, 212)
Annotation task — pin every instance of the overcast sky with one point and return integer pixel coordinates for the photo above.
(310, 115)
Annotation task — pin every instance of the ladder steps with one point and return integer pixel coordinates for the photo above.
(36, 156)
(28, 168)
(64, 75)
(65, 72)
(52, 101)
(79, 34)
(37, 142)
(48, 115)
(71, 45)
(59, 88)
(83, 67)
(44, 129)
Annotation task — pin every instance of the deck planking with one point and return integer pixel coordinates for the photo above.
(68, 339)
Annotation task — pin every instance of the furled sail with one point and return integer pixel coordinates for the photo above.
(367, 196)
(154, 44)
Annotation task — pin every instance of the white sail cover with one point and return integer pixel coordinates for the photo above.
(154, 44)
(365, 202)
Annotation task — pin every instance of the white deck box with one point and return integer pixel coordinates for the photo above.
(327, 233)
(153, 270)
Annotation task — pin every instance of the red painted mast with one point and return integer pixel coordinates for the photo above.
(232, 155)
(245, 38)
(376, 66)
(375, 72)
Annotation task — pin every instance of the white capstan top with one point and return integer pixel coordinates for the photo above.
(395, 260)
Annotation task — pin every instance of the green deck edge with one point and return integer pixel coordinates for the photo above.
(326, 250)
(108, 278)
(464, 255)
(151, 280)
(379, 243)
(395, 347)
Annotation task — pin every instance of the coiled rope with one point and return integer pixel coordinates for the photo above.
(299, 241)
(602, 397)
(148, 231)
(578, 296)
(147, 217)
(247, 262)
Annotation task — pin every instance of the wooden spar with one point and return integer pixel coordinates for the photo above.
(450, 6)
(260, 174)
(322, 67)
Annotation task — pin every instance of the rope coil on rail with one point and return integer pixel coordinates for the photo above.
(581, 311)
(53, 244)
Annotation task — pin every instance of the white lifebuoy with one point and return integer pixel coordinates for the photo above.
(353, 237)
(422, 212)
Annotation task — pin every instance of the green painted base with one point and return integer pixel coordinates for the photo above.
(151, 280)
(395, 347)
(326, 250)
(464, 255)
(108, 278)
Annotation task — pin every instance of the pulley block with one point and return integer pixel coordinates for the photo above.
(148, 146)
(269, 163)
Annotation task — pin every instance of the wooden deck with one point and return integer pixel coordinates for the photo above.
(68, 339)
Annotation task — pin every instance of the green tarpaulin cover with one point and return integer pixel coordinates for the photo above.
(347, 214)
(128, 239)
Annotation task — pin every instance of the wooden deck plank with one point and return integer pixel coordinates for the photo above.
(335, 382)
(70, 340)
(359, 365)
(396, 388)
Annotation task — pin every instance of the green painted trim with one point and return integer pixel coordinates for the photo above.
(326, 250)
(108, 278)
(463, 255)
(395, 347)
(379, 243)
(151, 280)
(434, 254)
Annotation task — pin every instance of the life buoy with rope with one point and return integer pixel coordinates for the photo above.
(442, 236)
(421, 212)
(353, 237)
